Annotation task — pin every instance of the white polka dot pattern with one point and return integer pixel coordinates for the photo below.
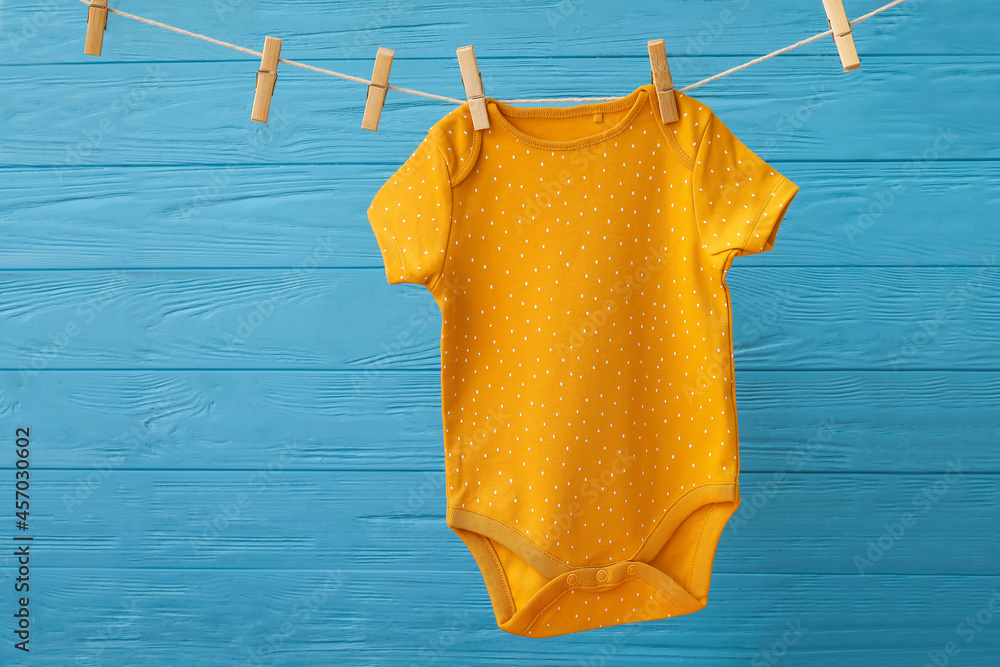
(578, 256)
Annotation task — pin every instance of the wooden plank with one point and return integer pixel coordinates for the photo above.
(194, 113)
(386, 617)
(238, 519)
(49, 31)
(796, 317)
(790, 421)
(143, 159)
(274, 216)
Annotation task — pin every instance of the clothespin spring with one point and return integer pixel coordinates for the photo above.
(850, 29)
(481, 87)
(368, 90)
(274, 83)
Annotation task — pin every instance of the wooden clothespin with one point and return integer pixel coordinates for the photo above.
(472, 79)
(842, 28)
(375, 98)
(662, 81)
(267, 76)
(97, 23)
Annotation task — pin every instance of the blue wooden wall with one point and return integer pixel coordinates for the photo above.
(236, 425)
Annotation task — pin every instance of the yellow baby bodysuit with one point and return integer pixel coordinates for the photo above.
(578, 256)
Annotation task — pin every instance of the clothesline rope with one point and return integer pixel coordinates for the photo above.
(421, 93)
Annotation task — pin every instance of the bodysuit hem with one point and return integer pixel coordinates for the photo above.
(472, 526)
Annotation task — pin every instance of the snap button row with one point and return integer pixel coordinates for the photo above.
(601, 575)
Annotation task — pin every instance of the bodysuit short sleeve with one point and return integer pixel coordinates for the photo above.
(411, 217)
(739, 200)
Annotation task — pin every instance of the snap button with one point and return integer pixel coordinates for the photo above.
(632, 569)
(602, 575)
(572, 580)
